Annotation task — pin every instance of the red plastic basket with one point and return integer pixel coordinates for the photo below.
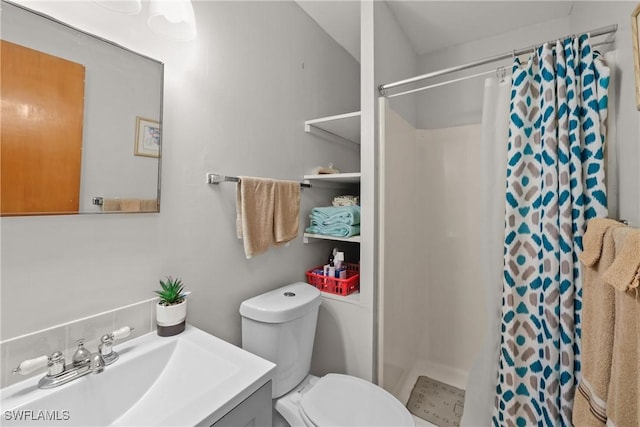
(336, 286)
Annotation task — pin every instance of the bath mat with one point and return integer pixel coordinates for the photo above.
(436, 402)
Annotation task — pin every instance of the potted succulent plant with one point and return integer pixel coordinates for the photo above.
(171, 311)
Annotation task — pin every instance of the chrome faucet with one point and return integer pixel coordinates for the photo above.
(82, 356)
(82, 363)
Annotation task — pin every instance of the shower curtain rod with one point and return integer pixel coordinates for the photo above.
(384, 87)
(448, 82)
(501, 72)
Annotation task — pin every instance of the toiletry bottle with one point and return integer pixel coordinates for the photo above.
(341, 271)
(332, 256)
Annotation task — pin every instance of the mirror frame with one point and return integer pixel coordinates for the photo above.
(97, 200)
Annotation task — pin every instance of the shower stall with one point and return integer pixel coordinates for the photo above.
(433, 318)
(441, 181)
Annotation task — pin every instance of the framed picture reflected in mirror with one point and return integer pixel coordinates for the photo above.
(147, 138)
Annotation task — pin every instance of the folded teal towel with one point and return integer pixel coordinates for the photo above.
(335, 230)
(349, 215)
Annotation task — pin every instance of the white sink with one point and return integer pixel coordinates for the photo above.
(190, 379)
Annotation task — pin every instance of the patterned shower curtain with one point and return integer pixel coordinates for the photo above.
(555, 183)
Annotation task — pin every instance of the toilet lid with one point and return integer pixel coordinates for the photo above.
(342, 400)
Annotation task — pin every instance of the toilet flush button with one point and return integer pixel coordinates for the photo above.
(289, 294)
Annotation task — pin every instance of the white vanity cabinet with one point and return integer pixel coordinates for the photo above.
(255, 410)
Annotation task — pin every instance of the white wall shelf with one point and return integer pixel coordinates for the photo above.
(342, 178)
(353, 298)
(340, 128)
(310, 237)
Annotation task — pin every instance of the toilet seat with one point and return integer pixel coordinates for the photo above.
(343, 400)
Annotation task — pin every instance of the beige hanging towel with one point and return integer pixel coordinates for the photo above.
(286, 215)
(624, 273)
(149, 205)
(111, 205)
(130, 205)
(622, 401)
(255, 198)
(593, 239)
(590, 403)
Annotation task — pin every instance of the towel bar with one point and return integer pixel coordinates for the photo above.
(214, 178)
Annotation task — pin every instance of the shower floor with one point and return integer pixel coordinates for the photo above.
(436, 371)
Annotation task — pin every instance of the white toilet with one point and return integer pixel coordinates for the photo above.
(280, 327)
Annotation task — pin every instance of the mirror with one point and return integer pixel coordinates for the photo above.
(81, 121)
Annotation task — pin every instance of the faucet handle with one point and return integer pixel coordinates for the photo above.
(30, 365)
(120, 333)
(55, 363)
(106, 343)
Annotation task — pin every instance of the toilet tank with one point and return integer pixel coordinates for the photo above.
(280, 326)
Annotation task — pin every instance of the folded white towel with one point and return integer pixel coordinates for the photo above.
(346, 201)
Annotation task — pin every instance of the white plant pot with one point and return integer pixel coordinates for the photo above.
(171, 319)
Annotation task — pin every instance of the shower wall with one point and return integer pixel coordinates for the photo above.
(431, 315)
(448, 202)
(402, 326)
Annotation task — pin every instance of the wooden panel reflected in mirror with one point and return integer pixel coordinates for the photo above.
(93, 157)
(41, 134)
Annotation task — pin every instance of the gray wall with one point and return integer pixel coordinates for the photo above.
(394, 59)
(624, 152)
(235, 101)
(461, 103)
